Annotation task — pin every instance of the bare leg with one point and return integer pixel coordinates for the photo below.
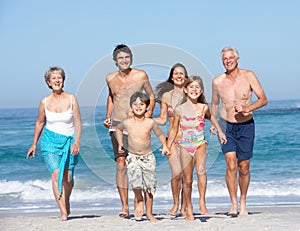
(244, 181)
(122, 184)
(67, 187)
(138, 204)
(231, 181)
(183, 202)
(60, 200)
(188, 164)
(200, 160)
(174, 161)
(149, 204)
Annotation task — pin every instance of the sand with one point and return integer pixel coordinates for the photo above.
(260, 218)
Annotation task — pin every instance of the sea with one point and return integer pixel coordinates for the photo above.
(25, 184)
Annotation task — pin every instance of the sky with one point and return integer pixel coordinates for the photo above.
(81, 35)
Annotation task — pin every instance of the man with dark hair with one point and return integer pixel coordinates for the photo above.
(122, 84)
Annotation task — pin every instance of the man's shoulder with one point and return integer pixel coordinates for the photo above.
(219, 78)
(110, 76)
(137, 73)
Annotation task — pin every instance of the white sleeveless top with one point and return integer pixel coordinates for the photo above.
(61, 123)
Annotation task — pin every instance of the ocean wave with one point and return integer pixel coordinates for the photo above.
(39, 190)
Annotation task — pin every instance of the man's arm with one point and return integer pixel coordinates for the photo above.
(149, 91)
(109, 109)
(119, 135)
(215, 100)
(258, 91)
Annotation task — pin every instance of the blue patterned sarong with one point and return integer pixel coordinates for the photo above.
(56, 149)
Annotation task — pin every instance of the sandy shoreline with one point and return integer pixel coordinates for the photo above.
(260, 218)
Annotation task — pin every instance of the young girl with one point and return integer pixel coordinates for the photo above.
(189, 119)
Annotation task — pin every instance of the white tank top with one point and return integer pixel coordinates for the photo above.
(61, 123)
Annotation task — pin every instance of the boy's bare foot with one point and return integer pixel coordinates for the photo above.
(138, 209)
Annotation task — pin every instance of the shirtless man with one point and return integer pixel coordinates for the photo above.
(122, 84)
(234, 88)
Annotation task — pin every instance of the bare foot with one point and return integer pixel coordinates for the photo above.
(151, 218)
(125, 212)
(189, 215)
(64, 218)
(68, 208)
(204, 211)
(243, 210)
(183, 212)
(233, 212)
(173, 210)
(138, 209)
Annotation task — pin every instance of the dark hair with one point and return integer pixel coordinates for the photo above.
(169, 84)
(143, 97)
(119, 48)
(50, 71)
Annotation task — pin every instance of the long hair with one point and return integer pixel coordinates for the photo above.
(168, 85)
(201, 98)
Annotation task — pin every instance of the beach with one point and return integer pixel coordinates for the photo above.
(259, 218)
(27, 203)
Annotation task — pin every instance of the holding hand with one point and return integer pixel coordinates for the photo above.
(222, 138)
(213, 130)
(165, 151)
(121, 149)
(106, 122)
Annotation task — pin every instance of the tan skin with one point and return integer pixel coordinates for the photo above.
(173, 98)
(139, 141)
(191, 108)
(58, 101)
(234, 90)
(122, 84)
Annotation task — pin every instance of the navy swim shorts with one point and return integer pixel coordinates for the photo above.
(240, 138)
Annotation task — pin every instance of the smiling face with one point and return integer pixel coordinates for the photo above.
(123, 60)
(178, 76)
(139, 107)
(193, 90)
(55, 81)
(230, 60)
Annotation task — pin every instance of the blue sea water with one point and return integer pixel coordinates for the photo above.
(25, 184)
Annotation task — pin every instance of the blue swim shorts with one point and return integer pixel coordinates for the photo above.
(240, 138)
